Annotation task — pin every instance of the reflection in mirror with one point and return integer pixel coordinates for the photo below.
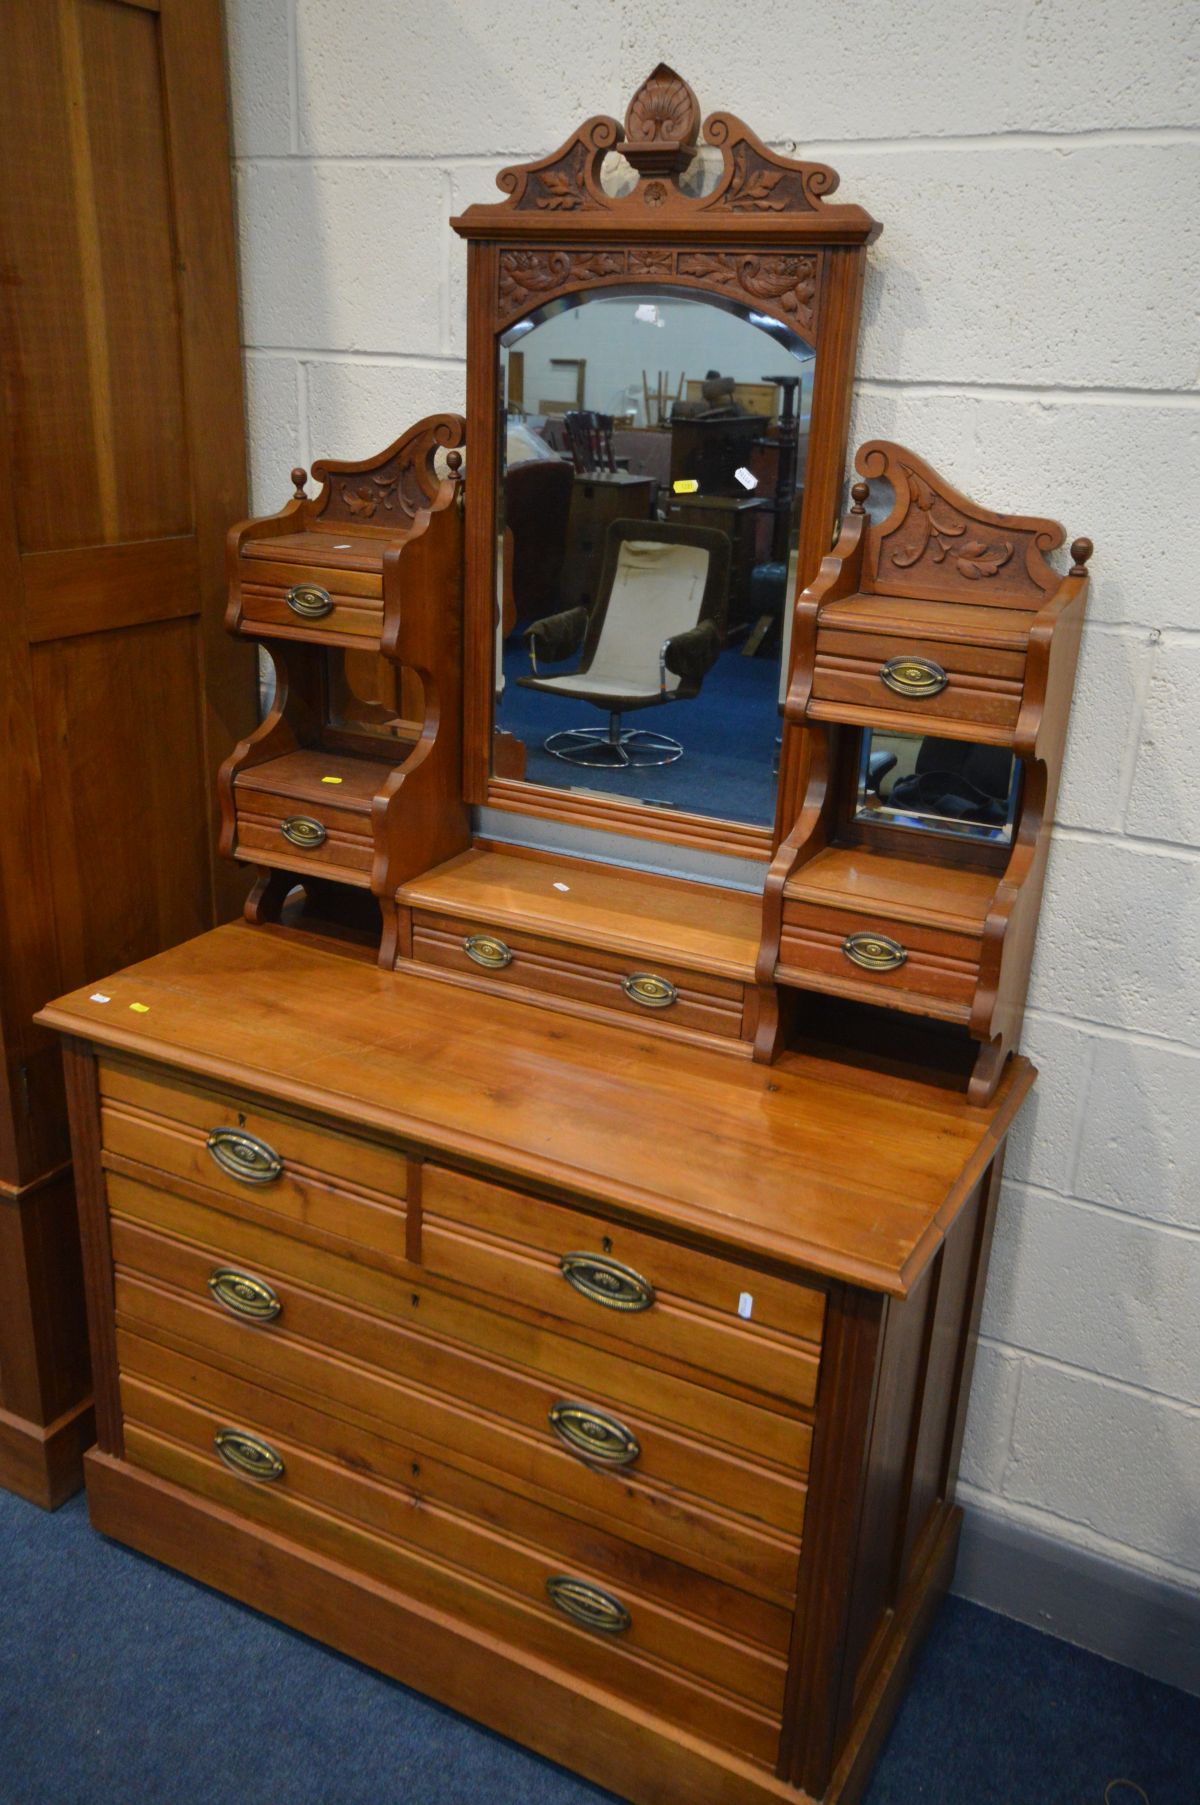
(938, 786)
(652, 475)
(366, 693)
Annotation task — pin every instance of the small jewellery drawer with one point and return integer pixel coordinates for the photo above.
(648, 991)
(516, 1404)
(700, 1625)
(929, 970)
(315, 1180)
(293, 602)
(281, 830)
(977, 687)
(657, 1299)
(635, 1648)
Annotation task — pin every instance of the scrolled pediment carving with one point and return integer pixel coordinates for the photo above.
(659, 140)
(393, 489)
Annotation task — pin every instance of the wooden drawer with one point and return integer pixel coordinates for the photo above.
(333, 1187)
(735, 1517)
(576, 1369)
(677, 997)
(975, 687)
(299, 836)
(516, 1544)
(356, 598)
(760, 1331)
(528, 1622)
(938, 976)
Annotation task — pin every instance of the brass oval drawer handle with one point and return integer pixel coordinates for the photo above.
(303, 831)
(650, 991)
(874, 952)
(488, 951)
(247, 1456)
(915, 678)
(243, 1156)
(587, 1605)
(606, 1281)
(243, 1295)
(309, 601)
(594, 1434)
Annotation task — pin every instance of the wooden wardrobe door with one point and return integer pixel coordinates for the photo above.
(122, 464)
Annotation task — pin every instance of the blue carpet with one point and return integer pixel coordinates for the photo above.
(728, 733)
(122, 1683)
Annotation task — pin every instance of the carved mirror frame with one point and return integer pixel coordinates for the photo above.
(764, 236)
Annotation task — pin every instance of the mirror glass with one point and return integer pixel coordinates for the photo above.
(651, 480)
(937, 786)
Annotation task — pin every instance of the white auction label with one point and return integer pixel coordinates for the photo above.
(746, 477)
(746, 1306)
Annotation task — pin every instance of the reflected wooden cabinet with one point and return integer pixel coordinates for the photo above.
(553, 1278)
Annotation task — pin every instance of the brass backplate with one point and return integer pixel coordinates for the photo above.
(247, 1456)
(874, 952)
(648, 989)
(488, 951)
(594, 1434)
(303, 831)
(587, 1605)
(244, 1156)
(309, 601)
(914, 677)
(243, 1295)
(606, 1281)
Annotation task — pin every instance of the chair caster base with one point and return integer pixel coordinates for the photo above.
(595, 748)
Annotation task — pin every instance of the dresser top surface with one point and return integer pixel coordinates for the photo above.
(852, 1175)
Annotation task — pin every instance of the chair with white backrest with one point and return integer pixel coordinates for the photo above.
(656, 628)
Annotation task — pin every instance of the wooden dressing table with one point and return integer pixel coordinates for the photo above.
(548, 1280)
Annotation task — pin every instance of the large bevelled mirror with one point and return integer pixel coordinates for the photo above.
(662, 320)
(650, 483)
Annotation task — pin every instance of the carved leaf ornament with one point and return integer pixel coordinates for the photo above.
(938, 527)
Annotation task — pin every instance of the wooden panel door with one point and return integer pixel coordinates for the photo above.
(122, 464)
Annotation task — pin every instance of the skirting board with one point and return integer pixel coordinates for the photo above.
(1119, 1612)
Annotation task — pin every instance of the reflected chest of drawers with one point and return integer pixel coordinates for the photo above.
(616, 1403)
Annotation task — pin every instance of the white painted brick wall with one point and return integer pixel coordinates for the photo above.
(1029, 328)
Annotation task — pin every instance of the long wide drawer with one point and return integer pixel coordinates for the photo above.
(692, 1623)
(576, 1369)
(666, 995)
(654, 1297)
(736, 1518)
(317, 1181)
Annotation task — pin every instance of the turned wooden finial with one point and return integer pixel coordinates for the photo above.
(299, 478)
(454, 462)
(858, 495)
(1081, 551)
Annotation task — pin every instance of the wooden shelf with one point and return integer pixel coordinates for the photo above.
(957, 623)
(302, 775)
(353, 550)
(699, 925)
(912, 890)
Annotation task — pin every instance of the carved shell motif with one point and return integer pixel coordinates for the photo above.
(663, 110)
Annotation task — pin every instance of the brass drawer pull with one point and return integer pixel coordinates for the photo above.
(309, 601)
(303, 831)
(606, 1282)
(246, 1456)
(594, 1434)
(874, 952)
(243, 1156)
(915, 678)
(650, 991)
(243, 1295)
(587, 1605)
(488, 951)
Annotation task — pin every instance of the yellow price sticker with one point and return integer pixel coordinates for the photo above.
(331, 780)
(685, 485)
(140, 1008)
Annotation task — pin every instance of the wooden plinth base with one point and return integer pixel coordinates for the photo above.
(45, 1463)
(540, 1706)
